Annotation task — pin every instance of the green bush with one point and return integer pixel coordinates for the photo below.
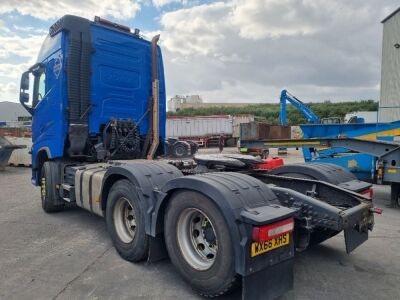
(270, 112)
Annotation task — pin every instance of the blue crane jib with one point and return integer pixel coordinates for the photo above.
(307, 112)
(92, 92)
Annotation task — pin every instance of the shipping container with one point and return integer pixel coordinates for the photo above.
(259, 131)
(239, 119)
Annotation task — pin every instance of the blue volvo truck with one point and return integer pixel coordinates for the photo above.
(97, 98)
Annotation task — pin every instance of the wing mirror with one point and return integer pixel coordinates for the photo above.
(24, 92)
(25, 81)
(23, 98)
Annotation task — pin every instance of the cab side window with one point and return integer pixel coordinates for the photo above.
(42, 86)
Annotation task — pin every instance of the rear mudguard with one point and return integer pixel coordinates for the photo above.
(147, 177)
(323, 172)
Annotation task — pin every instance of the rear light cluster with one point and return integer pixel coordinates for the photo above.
(267, 232)
(376, 210)
(368, 192)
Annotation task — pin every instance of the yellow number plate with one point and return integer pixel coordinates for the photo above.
(260, 248)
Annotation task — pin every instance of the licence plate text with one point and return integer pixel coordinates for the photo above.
(260, 248)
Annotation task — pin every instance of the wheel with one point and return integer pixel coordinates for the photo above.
(49, 178)
(126, 221)
(179, 150)
(194, 147)
(199, 243)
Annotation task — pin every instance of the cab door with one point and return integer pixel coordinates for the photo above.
(48, 122)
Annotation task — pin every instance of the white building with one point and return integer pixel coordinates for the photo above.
(177, 102)
(389, 104)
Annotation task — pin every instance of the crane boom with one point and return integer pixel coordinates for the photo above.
(307, 112)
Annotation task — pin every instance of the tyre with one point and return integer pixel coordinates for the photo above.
(180, 149)
(194, 147)
(126, 222)
(49, 178)
(199, 244)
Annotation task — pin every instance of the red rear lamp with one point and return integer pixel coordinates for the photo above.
(368, 192)
(376, 210)
(270, 231)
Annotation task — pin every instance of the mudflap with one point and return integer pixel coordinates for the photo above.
(157, 249)
(354, 238)
(269, 283)
(357, 221)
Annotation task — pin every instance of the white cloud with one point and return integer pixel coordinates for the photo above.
(13, 71)
(241, 50)
(160, 3)
(238, 50)
(26, 47)
(48, 9)
(10, 47)
(195, 30)
(30, 29)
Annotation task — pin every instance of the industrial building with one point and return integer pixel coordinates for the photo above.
(389, 105)
(178, 103)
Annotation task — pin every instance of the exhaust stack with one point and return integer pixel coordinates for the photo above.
(154, 127)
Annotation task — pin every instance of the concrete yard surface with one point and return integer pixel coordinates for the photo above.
(68, 255)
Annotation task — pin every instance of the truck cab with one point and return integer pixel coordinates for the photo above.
(90, 93)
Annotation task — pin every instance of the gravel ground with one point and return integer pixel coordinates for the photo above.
(69, 255)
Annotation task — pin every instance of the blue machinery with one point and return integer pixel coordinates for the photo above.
(361, 164)
(307, 112)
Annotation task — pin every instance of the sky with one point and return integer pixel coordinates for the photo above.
(226, 51)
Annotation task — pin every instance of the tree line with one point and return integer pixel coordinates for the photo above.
(270, 112)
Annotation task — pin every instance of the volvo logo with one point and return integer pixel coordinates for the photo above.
(58, 65)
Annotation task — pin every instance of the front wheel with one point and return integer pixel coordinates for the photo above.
(49, 179)
(125, 222)
(199, 243)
